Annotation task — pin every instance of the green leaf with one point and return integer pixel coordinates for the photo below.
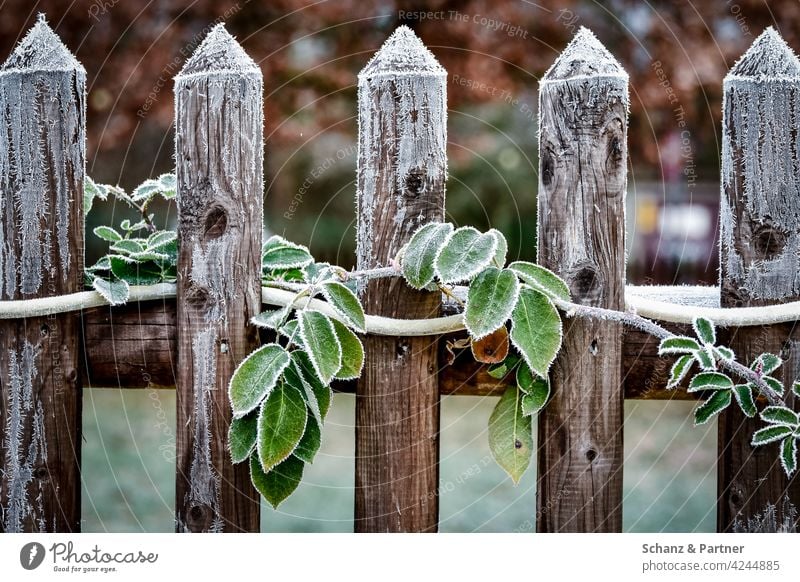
(705, 359)
(92, 190)
(779, 415)
(770, 434)
(168, 185)
(774, 383)
(536, 398)
(107, 233)
(541, 279)
(134, 273)
(502, 248)
(679, 370)
(704, 330)
(320, 391)
(796, 387)
(145, 190)
(128, 246)
(723, 353)
(309, 445)
(465, 253)
(321, 343)
(115, 292)
(501, 370)
(346, 304)
(280, 482)
(744, 398)
(161, 238)
(525, 378)
(766, 364)
(510, 434)
(420, 253)
(279, 253)
(536, 330)
(352, 352)
(242, 434)
(271, 319)
(491, 298)
(102, 264)
(718, 402)
(281, 424)
(789, 455)
(255, 378)
(710, 381)
(677, 345)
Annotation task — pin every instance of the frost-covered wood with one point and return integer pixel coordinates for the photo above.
(760, 254)
(402, 168)
(219, 165)
(42, 157)
(583, 108)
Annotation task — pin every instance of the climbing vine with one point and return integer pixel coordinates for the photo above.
(281, 392)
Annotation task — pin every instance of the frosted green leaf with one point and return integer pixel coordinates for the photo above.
(501, 252)
(115, 292)
(242, 434)
(271, 319)
(679, 370)
(510, 434)
(723, 353)
(281, 424)
(420, 253)
(107, 233)
(501, 370)
(773, 383)
(280, 482)
(279, 253)
(710, 381)
(789, 455)
(718, 402)
(770, 434)
(321, 343)
(352, 352)
(102, 264)
(92, 190)
(536, 330)
(346, 304)
(796, 387)
(147, 255)
(525, 378)
(255, 378)
(168, 186)
(704, 330)
(766, 364)
(134, 273)
(160, 238)
(705, 360)
(128, 246)
(320, 391)
(309, 445)
(779, 415)
(541, 279)
(536, 398)
(146, 190)
(677, 345)
(465, 253)
(744, 398)
(491, 298)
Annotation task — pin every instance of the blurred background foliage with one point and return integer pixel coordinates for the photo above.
(676, 52)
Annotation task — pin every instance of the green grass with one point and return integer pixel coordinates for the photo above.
(128, 470)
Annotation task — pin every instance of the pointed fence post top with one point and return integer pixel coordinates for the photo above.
(218, 54)
(584, 56)
(41, 50)
(403, 53)
(769, 58)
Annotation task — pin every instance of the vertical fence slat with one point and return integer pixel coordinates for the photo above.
(760, 256)
(583, 105)
(219, 165)
(42, 158)
(402, 168)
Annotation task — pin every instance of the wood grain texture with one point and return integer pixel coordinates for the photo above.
(760, 260)
(42, 157)
(583, 105)
(402, 169)
(219, 155)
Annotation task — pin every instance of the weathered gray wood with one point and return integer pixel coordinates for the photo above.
(219, 165)
(583, 106)
(402, 168)
(42, 158)
(760, 255)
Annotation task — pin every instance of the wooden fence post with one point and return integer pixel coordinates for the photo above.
(760, 256)
(219, 164)
(42, 159)
(583, 108)
(402, 169)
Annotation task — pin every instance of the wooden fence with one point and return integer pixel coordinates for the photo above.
(194, 343)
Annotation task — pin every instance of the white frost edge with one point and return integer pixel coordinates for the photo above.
(304, 338)
(242, 414)
(509, 311)
(477, 267)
